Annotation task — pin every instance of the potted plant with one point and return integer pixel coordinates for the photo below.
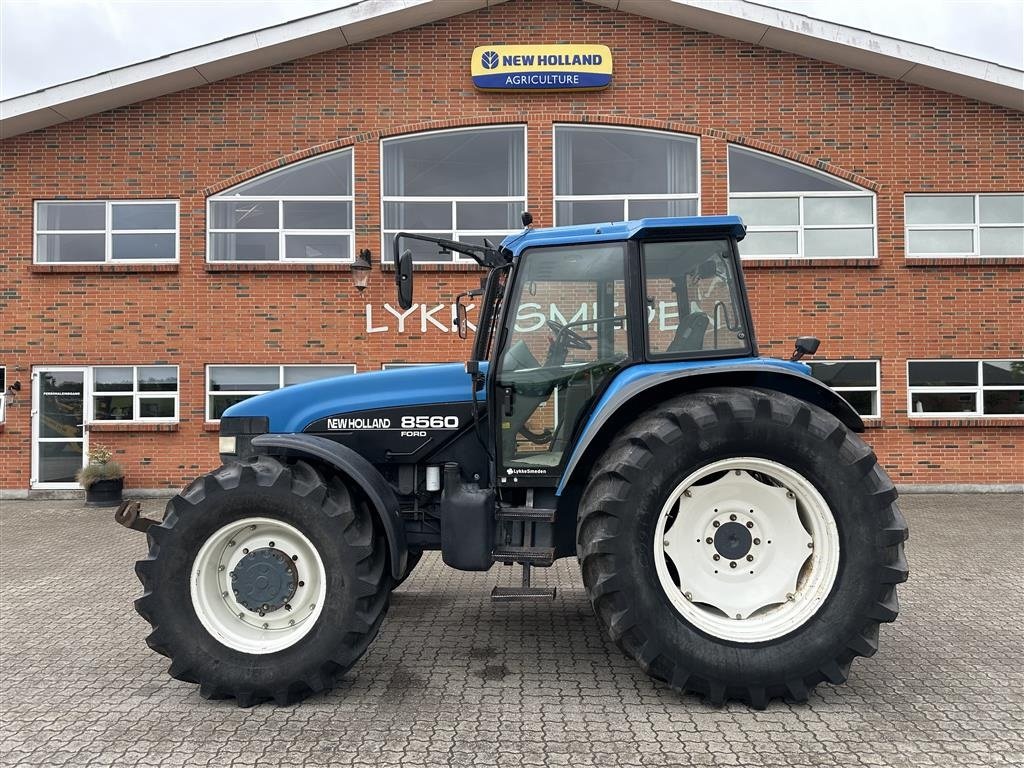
(102, 478)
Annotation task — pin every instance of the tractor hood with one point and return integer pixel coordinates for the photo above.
(292, 408)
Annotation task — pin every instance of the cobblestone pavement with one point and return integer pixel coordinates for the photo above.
(455, 680)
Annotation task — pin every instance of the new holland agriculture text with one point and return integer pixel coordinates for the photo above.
(541, 67)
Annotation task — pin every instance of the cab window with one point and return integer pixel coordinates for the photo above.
(567, 335)
(691, 294)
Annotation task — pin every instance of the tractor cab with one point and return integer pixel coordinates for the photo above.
(567, 309)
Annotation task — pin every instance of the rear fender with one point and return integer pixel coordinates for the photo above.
(620, 405)
(359, 471)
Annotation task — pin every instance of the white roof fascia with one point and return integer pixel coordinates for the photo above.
(361, 20)
(839, 44)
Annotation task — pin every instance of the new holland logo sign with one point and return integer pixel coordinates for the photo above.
(542, 67)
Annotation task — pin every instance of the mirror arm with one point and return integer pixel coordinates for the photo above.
(481, 254)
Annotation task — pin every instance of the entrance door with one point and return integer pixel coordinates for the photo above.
(59, 437)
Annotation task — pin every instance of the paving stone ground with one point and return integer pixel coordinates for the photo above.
(453, 679)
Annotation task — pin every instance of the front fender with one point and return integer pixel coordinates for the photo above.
(640, 387)
(359, 471)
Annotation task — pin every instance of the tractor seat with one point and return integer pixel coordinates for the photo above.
(690, 333)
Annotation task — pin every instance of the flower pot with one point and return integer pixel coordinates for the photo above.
(104, 493)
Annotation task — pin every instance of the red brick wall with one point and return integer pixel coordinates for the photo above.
(891, 136)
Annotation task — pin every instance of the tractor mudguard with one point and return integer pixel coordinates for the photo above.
(640, 387)
(361, 472)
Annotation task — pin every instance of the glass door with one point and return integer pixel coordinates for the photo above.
(59, 437)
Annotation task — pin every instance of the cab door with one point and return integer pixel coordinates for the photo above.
(566, 334)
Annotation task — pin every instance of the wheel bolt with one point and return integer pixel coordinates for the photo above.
(295, 557)
(732, 517)
(241, 615)
(687, 493)
(789, 597)
(810, 545)
(757, 541)
(750, 525)
(716, 524)
(245, 551)
(231, 543)
(716, 558)
(750, 558)
(688, 596)
(223, 594)
(252, 527)
(291, 622)
(271, 544)
(709, 540)
(666, 542)
(789, 495)
(220, 569)
(287, 606)
(732, 564)
(302, 583)
(265, 625)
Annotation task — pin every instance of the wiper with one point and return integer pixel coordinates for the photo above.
(485, 256)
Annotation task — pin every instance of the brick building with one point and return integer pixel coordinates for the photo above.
(180, 234)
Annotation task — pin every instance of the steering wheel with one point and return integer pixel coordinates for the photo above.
(573, 340)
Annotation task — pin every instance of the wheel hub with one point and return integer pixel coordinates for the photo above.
(264, 580)
(733, 541)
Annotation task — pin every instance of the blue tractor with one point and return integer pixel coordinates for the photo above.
(735, 536)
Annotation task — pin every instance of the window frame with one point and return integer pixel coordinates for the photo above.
(108, 231)
(625, 199)
(253, 393)
(978, 389)
(282, 232)
(388, 235)
(134, 393)
(800, 227)
(3, 394)
(877, 389)
(974, 228)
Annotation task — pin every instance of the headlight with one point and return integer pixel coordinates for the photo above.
(228, 444)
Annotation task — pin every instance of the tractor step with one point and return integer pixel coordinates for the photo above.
(531, 514)
(542, 556)
(521, 594)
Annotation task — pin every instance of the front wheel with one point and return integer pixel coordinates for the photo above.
(264, 581)
(743, 544)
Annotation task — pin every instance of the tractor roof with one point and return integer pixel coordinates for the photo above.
(688, 226)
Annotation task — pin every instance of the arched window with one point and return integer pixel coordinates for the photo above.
(301, 213)
(615, 174)
(792, 211)
(464, 184)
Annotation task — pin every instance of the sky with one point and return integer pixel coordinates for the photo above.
(47, 42)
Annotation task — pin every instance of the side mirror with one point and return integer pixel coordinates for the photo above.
(403, 278)
(461, 314)
(461, 318)
(805, 345)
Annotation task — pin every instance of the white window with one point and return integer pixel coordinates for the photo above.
(134, 393)
(965, 387)
(299, 213)
(230, 384)
(856, 380)
(616, 174)
(106, 231)
(792, 211)
(965, 225)
(463, 184)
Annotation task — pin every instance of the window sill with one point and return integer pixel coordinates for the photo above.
(801, 263)
(211, 426)
(276, 266)
(961, 261)
(46, 269)
(132, 426)
(872, 422)
(973, 421)
(439, 267)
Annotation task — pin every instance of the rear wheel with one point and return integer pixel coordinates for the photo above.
(264, 581)
(742, 544)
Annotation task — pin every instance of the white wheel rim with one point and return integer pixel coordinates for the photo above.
(218, 607)
(787, 570)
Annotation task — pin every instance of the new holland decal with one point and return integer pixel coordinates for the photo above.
(541, 67)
